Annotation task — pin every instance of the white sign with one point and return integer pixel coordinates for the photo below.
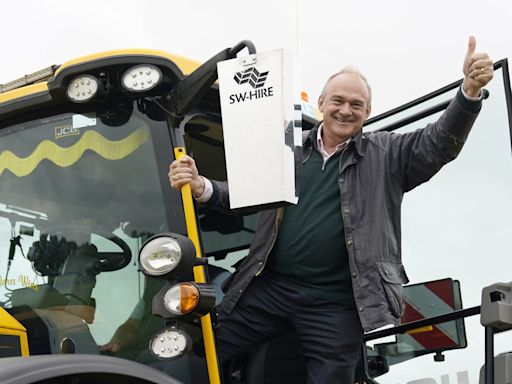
(262, 129)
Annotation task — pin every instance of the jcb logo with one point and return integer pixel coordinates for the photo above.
(66, 130)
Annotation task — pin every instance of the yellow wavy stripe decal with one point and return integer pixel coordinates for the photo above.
(64, 157)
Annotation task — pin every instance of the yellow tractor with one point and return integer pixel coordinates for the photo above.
(103, 275)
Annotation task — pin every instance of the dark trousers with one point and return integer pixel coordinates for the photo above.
(330, 334)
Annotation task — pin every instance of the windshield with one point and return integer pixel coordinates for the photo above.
(79, 194)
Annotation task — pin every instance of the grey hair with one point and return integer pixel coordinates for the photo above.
(354, 71)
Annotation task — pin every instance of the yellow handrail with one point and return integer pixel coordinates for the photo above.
(199, 276)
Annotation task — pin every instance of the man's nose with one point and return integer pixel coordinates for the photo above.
(344, 109)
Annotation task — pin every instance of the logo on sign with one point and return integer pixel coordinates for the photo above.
(251, 76)
(66, 130)
(256, 80)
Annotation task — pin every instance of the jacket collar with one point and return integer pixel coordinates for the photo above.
(358, 141)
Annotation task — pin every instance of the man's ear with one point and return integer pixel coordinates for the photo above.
(321, 104)
(368, 111)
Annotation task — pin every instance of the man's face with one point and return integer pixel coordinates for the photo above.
(344, 106)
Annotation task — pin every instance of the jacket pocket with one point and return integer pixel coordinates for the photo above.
(227, 282)
(392, 277)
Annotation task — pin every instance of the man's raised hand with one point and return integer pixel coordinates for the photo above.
(478, 70)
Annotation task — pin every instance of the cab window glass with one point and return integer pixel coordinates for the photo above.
(79, 194)
(458, 225)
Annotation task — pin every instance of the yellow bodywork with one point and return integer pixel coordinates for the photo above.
(185, 65)
(10, 326)
(22, 92)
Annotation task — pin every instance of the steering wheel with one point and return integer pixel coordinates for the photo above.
(105, 261)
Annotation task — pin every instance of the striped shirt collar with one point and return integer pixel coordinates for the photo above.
(320, 144)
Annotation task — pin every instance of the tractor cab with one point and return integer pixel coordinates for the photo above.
(84, 155)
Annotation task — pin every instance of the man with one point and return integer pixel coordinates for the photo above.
(330, 267)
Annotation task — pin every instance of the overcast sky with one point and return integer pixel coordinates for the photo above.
(406, 48)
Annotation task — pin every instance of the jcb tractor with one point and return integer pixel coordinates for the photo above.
(107, 275)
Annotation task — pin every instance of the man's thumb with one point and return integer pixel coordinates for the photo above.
(471, 46)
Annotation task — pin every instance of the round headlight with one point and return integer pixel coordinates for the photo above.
(160, 256)
(82, 88)
(169, 344)
(168, 256)
(141, 78)
(181, 299)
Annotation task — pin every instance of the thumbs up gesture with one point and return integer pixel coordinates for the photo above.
(478, 70)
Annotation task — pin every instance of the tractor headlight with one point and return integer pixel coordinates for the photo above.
(170, 343)
(181, 299)
(167, 255)
(82, 88)
(141, 78)
(184, 299)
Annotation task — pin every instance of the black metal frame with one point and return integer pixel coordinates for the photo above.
(455, 315)
(463, 313)
(503, 64)
(508, 93)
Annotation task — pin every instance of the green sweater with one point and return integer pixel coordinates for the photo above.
(310, 252)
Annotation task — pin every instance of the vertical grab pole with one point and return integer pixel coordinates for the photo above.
(489, 354)
(199, 276)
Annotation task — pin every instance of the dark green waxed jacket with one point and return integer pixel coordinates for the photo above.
(375, 171)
